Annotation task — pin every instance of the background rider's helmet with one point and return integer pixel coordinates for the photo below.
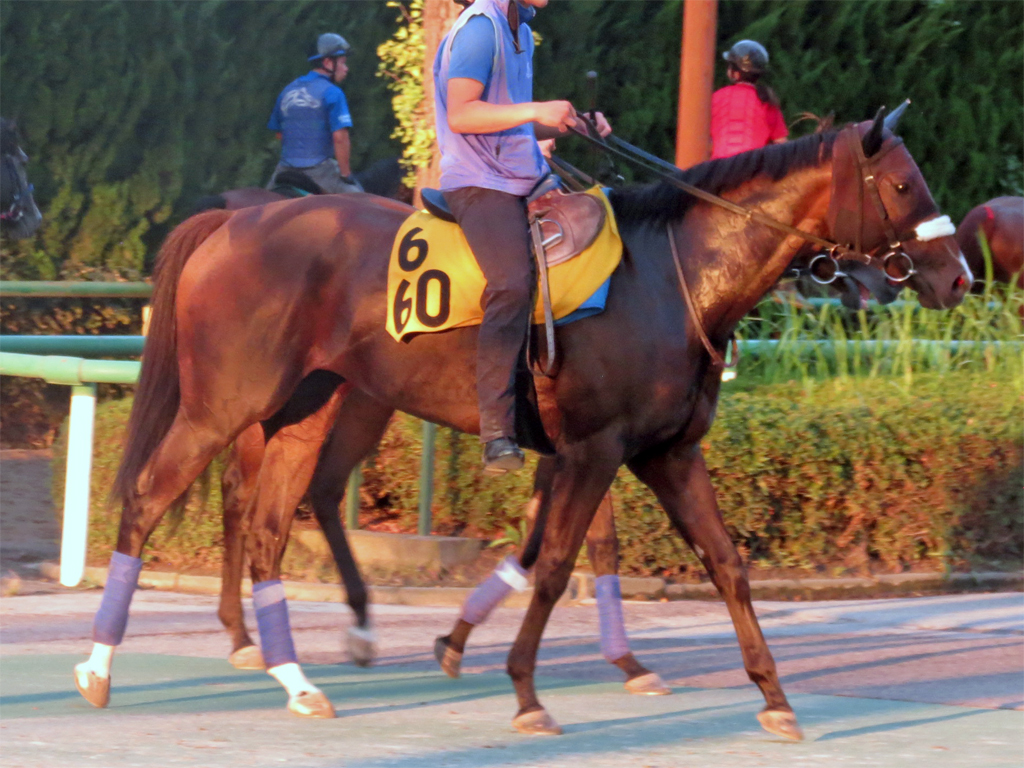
(329, 44)
(748, 56)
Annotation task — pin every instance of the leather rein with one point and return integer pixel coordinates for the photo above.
(834, 251)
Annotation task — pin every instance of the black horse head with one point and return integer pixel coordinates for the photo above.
(19, 215)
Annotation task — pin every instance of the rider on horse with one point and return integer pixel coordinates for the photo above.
(311, 118)
(746, 114)
(490, 162)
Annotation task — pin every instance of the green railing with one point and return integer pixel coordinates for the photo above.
(63, 289)
(89, 346)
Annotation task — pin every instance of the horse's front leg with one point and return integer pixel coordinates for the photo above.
(238, 487)
(603, 553)
(679, 478)
(288, 466)
(508, 576)
(581, 478)
(360, 425)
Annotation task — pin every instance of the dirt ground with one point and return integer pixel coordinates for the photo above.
(29, 532)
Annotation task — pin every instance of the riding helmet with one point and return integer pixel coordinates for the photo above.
(330, 44)
(748, 56)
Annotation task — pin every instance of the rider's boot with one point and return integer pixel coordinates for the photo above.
(502, 455)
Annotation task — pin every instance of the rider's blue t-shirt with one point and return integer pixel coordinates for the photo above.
(308, 111)
(473, 51)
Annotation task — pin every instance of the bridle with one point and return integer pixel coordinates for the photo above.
(893, 259)
(847, 228)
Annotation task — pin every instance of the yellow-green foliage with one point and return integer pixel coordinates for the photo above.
(401, 61)
(853, 473)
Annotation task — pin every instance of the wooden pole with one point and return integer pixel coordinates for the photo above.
(438, 17)
(696, 79)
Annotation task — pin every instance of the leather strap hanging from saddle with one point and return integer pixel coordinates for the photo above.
(569, 223)
(537, 236)
(562, 225)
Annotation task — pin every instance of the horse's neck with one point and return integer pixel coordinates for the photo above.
(741, 260)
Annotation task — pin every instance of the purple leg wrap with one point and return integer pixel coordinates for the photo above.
(112, 617)
(609, 612)
(507, 576)
(272, 619)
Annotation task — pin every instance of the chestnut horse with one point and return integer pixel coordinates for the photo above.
(1001, 220)
(276, 315)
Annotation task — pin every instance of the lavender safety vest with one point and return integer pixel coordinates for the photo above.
(507, 161)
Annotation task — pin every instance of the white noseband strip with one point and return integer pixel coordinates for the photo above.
(940, 226)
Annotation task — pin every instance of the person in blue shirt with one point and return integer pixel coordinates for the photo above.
(312, 120)
(490, 161)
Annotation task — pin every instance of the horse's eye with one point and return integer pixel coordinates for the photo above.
(901, 187)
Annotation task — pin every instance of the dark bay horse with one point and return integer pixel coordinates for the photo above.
(1001, 220)
(276, 315)
(19, 215)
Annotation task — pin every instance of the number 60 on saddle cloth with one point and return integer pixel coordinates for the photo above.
(435, 284)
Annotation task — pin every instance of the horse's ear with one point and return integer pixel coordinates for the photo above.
(872, 141)
(894, 117)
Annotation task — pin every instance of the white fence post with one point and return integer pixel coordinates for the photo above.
(75, 535)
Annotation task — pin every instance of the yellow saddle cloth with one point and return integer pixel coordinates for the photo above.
(434, 282)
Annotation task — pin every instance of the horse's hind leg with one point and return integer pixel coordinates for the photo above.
(509, 575)
(680, 480)
(603, 553)
(288, 466)
(238, 486)
(360, 425)
(187, 448)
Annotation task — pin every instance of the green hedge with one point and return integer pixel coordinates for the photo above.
(859, 474)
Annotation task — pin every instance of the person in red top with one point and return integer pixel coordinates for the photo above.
(746, 114)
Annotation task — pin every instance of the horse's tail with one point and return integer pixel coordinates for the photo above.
(158, 392)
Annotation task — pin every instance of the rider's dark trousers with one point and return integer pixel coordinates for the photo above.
(496, 227)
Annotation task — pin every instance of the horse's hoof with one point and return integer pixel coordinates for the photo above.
(247, 657)
(311, 704)
(781, 723)
(449, 659)
(94, 689)
(537, 723)
(650, 684)
(361, 647)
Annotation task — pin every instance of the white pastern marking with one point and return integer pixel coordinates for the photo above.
(99, 662)
(293, 679)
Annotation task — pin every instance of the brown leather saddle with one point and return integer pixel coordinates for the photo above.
(569, 221)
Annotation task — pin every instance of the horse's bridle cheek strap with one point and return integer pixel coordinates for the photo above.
(852, 178)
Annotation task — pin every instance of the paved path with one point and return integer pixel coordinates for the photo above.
(932, 681)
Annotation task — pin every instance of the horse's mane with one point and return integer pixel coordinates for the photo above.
(661, 202)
